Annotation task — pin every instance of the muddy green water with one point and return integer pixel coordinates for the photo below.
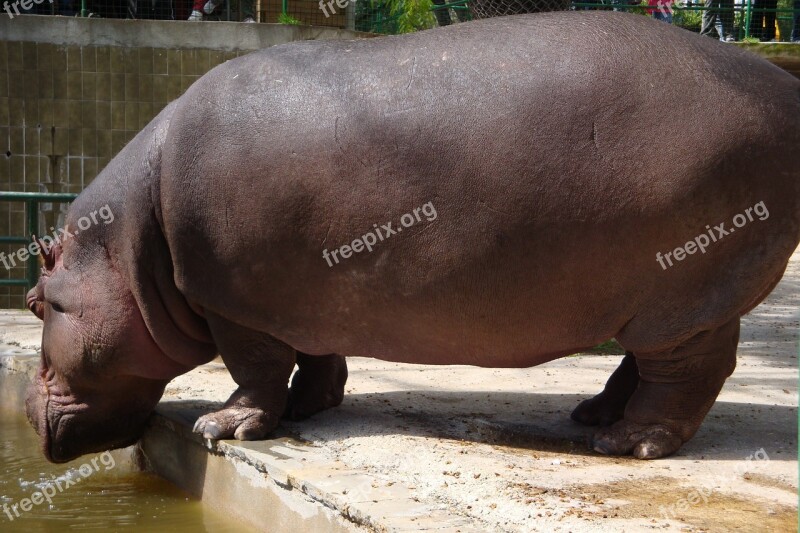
(107, 499)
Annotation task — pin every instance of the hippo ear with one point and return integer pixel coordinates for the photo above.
(50, 251)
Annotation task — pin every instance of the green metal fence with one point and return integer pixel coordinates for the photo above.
(31, 201)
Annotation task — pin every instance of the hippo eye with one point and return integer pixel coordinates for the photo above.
(57, 308)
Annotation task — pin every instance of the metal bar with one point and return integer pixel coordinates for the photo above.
(748, 15)
(32, 214)
(14, 240)
(14, 283)
(37, 196)
(31, 200)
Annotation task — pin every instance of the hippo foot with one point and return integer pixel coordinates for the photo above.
(241, 423)
(601, 410)
(317, 385)
(609, 406)
(674, 391)
(643, 441)
(242, 418)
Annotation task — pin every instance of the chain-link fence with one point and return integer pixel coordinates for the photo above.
(482, 9)
(765, 20)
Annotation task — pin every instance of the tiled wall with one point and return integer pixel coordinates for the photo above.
(65, 111)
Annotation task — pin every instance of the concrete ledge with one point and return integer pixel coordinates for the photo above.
(227, 36)
(286, 482)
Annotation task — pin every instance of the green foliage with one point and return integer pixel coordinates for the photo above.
(610, 347)
(751, 40)
(283, 18)
(638, 9)
(394, 16)
(689, 19)
(373, 16)
(412, 15)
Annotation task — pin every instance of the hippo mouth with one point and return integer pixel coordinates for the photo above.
(45, 394)
(67, 425)
(36, 406)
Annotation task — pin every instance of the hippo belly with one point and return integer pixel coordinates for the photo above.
(553, 161)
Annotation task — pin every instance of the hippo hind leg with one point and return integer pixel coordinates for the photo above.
(317, 385)
(609, 406)
(675, 391)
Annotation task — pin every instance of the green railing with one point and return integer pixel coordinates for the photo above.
(32, 201)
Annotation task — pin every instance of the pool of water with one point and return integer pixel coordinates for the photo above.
(93, 493)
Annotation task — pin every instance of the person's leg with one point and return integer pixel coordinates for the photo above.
(769, 20)
(442, 14)
(756, 19)
(662, 16)
(719, 7)
(726, 19)
(246, 8)
(197, 10)
(796, 29)
(709, 18)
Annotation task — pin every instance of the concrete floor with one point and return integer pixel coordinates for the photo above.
(464, 449)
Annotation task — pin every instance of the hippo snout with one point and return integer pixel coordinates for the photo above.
(36, 411)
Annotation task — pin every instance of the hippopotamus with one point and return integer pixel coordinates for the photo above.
(498, 193)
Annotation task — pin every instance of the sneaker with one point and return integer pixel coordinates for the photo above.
(196, 16)
(249, 19)
(730, 39)
(211, 5)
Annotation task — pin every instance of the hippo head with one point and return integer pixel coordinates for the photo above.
(101, 373)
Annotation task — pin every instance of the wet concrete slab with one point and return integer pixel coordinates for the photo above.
(455, 448)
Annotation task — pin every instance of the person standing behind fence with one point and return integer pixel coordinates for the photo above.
(660, 10)
(442, 14)
(796, 29)
(201, 6)
(762, 23)
(718, 14)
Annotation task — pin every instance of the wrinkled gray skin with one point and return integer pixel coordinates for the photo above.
(561, 151)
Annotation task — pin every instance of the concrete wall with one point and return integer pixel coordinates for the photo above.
(74, 91)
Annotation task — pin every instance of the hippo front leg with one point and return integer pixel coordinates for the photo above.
(261, 366)
(675, 391)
